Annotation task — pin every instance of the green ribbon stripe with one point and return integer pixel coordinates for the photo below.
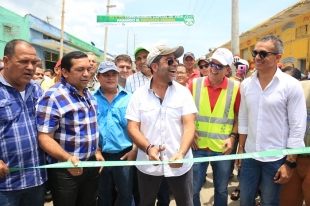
(302, 150)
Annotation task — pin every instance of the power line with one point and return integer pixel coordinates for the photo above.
(188, 29)
(201, 20)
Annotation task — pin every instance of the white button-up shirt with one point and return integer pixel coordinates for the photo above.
(161, 124)
(273, 118)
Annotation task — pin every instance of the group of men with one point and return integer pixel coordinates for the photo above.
(111, 114)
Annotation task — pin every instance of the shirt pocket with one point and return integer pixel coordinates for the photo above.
(8, 111)
(148, 112)
(174, 111)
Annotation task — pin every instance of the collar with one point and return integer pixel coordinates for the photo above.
(277, 75)
(196, 72)
(223, 85)
(150, 84)
(144, 74)
(4, 82)
(72, 88)
(120, 90)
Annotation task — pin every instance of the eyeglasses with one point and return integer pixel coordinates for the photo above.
(218, 66)
(262, 54)
(170, 61)
(203, 66)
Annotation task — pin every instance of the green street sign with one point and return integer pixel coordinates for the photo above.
(158, 20)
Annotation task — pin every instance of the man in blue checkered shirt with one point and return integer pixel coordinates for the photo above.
(68, 131)
(19, 146)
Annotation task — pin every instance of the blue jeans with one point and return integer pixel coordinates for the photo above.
(119, 177)
(221, 172)
(254, 172)
(25, 197)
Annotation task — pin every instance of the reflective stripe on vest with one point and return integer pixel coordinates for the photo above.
(214, 127)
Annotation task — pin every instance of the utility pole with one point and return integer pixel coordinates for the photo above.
(62, 30)
(106, 33)
(235, 29)
(134, 42)
(127, 41)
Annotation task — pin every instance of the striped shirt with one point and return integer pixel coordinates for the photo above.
(135, 81)
(19, 147)
(72, 117)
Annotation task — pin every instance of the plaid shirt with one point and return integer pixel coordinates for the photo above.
(19, 147)
(135, 81)
(72, 117)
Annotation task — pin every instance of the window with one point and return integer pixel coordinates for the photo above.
(50, 56)
(7, 30)
(301, 31)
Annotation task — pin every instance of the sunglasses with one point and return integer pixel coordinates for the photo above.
(203, 66)
(218, 66)
(170, 61)
(262, 54)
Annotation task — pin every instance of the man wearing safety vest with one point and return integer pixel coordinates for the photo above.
(217, 99)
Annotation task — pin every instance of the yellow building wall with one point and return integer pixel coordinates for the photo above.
(296, 49)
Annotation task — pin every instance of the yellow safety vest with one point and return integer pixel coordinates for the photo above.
(214, 127)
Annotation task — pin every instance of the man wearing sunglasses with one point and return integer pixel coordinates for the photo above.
(272, 117)
(189, 62)
(217, 99)
(161, 122)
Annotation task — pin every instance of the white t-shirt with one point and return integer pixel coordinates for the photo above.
(161, 124)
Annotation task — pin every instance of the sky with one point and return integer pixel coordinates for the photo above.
(212, 26)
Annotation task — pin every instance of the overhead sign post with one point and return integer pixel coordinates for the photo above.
(158, 20)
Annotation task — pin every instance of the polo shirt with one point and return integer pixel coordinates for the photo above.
(161, 124)
(194, 75)
(215, 93)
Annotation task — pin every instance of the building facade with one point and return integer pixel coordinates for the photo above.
(292, 26)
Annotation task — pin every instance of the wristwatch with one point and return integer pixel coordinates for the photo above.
(292, 164)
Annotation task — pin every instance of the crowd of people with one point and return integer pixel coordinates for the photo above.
(161, 111)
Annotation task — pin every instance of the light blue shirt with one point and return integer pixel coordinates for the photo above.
(113, 135)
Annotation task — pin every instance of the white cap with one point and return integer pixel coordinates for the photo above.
(224, 56)
(242, 61)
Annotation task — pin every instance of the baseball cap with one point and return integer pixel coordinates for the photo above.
(242, 61)
(107, 66)
(163, 50)
(224, 56)
(203, 58)
(189, 54)
(139, 49)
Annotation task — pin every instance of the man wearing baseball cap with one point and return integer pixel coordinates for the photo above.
(143, 74)
(161, 122)
(217, 99)
(114, 141)
(189, 62)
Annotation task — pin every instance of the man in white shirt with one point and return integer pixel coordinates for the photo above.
(161, 122)
(272, 116)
